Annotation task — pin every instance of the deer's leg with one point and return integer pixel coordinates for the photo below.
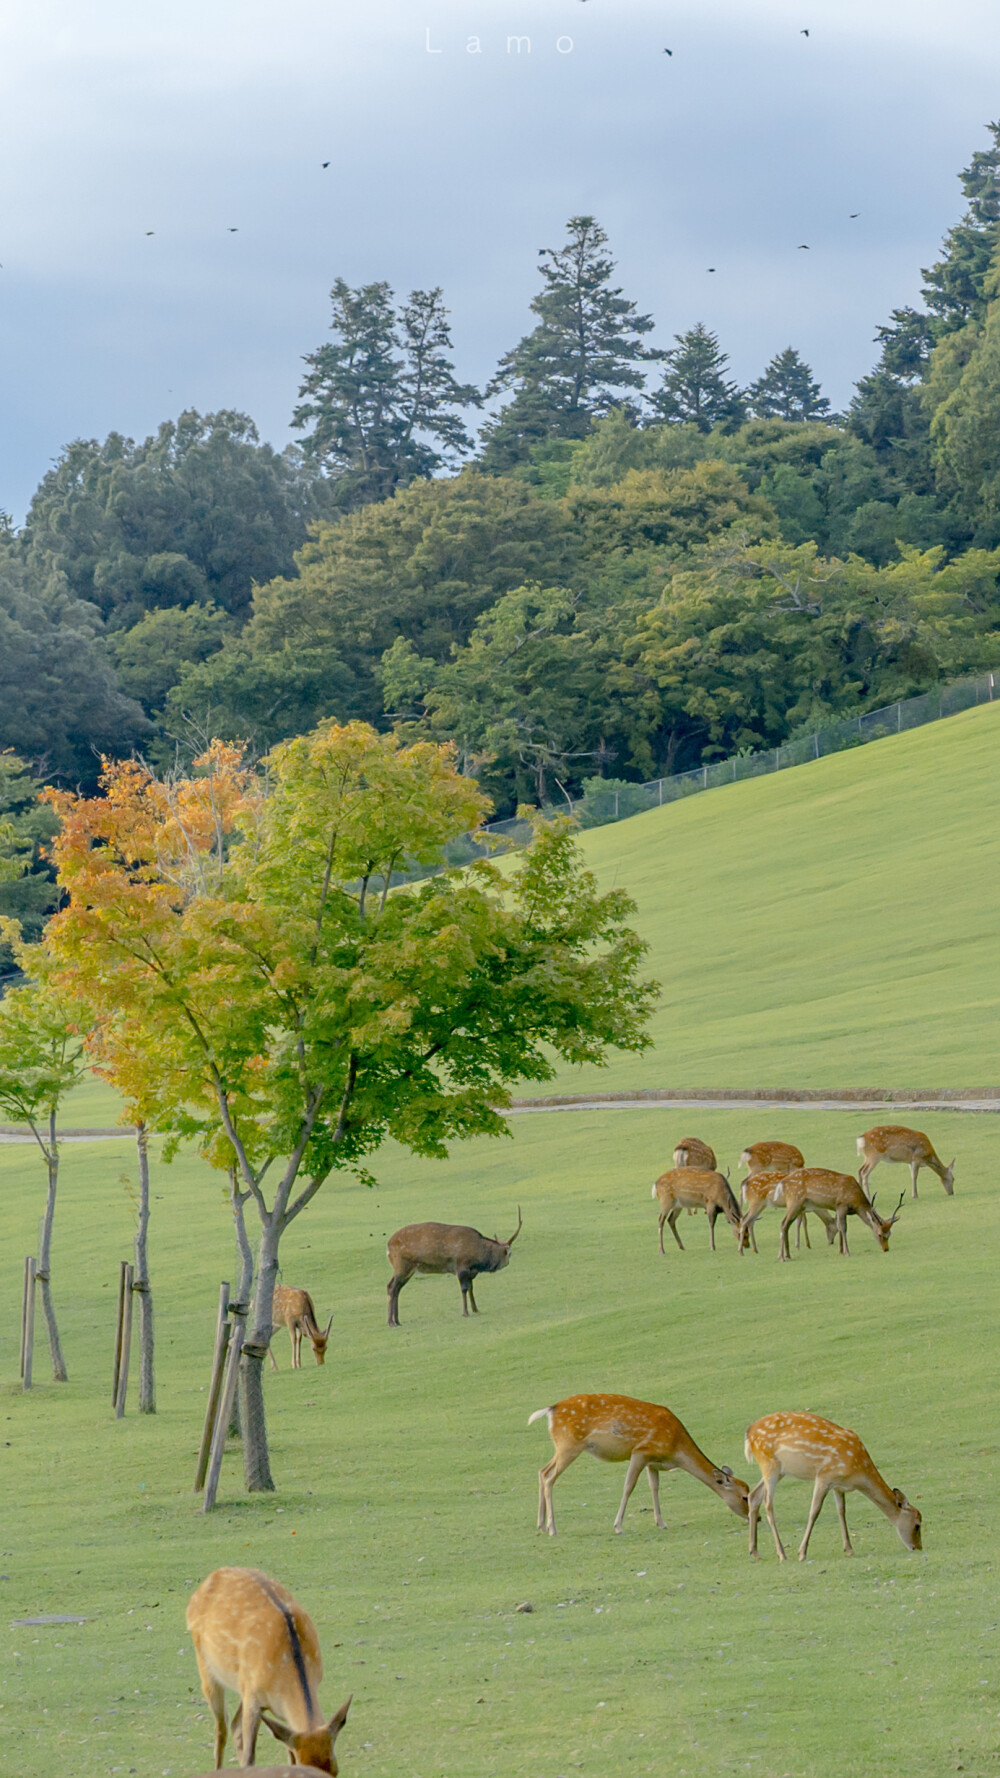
(472, 1297)
(842, 1232)
(770, 1483)
(786, 1222)
(663, 1218)
(838, 1495)
(654, 1489)
(548, 1478)
(215, 1698)
(251, 1727)
(465, 1280)
(270, 1352)
(236, 1726)
(393, 1289)
(802, 1229)
(296, 1348)
(754, 1499)
(820, 1490)
(914, 1170)
(672, 1220)
(636, 1464)
(712, 1214)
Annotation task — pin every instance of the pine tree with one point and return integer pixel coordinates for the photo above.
(695, 388)
(787, 391)
(382, 400)
(586, 349)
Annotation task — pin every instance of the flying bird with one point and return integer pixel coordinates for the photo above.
(803, 246)
(710, 268)
(668, 52)
(150, 231)
(854, 215)
(234, 231)
(326, 163)
(803, 33)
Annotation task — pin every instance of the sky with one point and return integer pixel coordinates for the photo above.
(452, 165)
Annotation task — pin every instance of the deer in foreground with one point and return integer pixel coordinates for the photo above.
(760, 1157)
(818, 1188)
(691, 1152)
(695, 1188)
(768, 1188)
(251, 1636)
(294, 1309)
(618, 1429)
(434, 1247)
(894, 1142)
(829, 1456)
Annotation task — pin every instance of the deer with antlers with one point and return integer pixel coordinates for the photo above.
(619, 1429)
(762, 1157)
(252, 1637)
(440, 1247)
(692, 1152)
(819, 1188)
(762, 1189)
(894, 1142)
(829, 1456)
(695, 1188)
(294, 1309)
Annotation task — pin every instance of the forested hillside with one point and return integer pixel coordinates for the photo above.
(632, 567)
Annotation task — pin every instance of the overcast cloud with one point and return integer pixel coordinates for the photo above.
(453, 168)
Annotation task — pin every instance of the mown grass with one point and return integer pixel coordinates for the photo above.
(407, 1476)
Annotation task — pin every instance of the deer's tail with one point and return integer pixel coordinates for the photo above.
(539, 1414)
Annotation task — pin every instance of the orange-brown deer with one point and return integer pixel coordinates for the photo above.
(294, 1309)
(829, 1456)
(760, 1157)
(894, 1142)
(251, 1637)
(768, 1188)
(619, 1429)
(691, 1152)
(695, 1188)
(444, 1247)
(818, 1188)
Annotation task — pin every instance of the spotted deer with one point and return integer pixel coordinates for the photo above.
(894, 1142)
(768, 1188)
(691, 1152)
(251, 1637)
(829, 1456)
(294, 1309)
(760, 1157)
(436, 1247)
(695, 1188)
(618, 1429)
(818, 1188)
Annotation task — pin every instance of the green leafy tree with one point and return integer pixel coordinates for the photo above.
(381, 401)
(787, 390)
(275, 1002)
(964, 389)
(588, 346)
(41, 1060)
(151, 656)
(27, 881)
(695, 389)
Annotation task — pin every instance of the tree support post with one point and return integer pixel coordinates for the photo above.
(215, 1386)
(28, 1322)
(125, 1348)
(225, 1407)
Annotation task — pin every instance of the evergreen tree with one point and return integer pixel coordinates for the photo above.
(586, 349)
(382, 400)
(787, 391)
(695, 388)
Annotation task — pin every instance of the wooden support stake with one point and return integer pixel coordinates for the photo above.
(222, 1331)
(225, 1410)
(119, 1318)
(128, 1278)
(28, 1322)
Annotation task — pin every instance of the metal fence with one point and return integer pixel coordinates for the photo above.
(620, 800)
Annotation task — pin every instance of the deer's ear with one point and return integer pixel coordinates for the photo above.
(277, 1729)
(727, 1472)
(899, 1497)
(338, 1719)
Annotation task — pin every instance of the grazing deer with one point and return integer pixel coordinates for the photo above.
(294, 1309)
(829, 1456)
(619, 1429)
(760, 1157)
(693, 1188)
(894, 1142)
(444, 1247)
(768, 1188)
(690, 1152)
(817, 1188)
(251, 1636)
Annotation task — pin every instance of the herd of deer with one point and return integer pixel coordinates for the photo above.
(252, 1637)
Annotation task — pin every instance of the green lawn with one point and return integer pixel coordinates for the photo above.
(405, 1516)
(834, 925)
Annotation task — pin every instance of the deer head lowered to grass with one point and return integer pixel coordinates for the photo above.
(444, 1247)
(294, 1309)
(251, 1636)
(894, 1142)
(695, 1188)
(819, 1188)
(829, 1456)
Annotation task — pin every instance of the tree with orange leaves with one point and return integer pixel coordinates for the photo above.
(257, 984)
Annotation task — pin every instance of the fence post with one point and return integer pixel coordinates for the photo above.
(661, 780)
(224, 1415)
(899, 717)
(128, 1277)
(222, 1331)
(704, 777)
(616, 805)
(991, 687)
(816, 746)
(28, 1323)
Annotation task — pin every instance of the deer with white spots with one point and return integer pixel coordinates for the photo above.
(619, 1429)
(769, 1188)
(251, 1636)
(761, 1157)
(695, 1188)
(894, 1142)
(692, 1152)
(830, 1457)
(819, 1188)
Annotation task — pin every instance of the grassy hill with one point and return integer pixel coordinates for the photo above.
(832, 925)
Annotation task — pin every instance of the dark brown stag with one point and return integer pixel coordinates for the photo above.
(437, 1247)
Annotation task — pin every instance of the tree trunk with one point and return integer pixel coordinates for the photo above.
(147, 1373)
(59, 1372)
(256, 1460)
(244, 1286)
